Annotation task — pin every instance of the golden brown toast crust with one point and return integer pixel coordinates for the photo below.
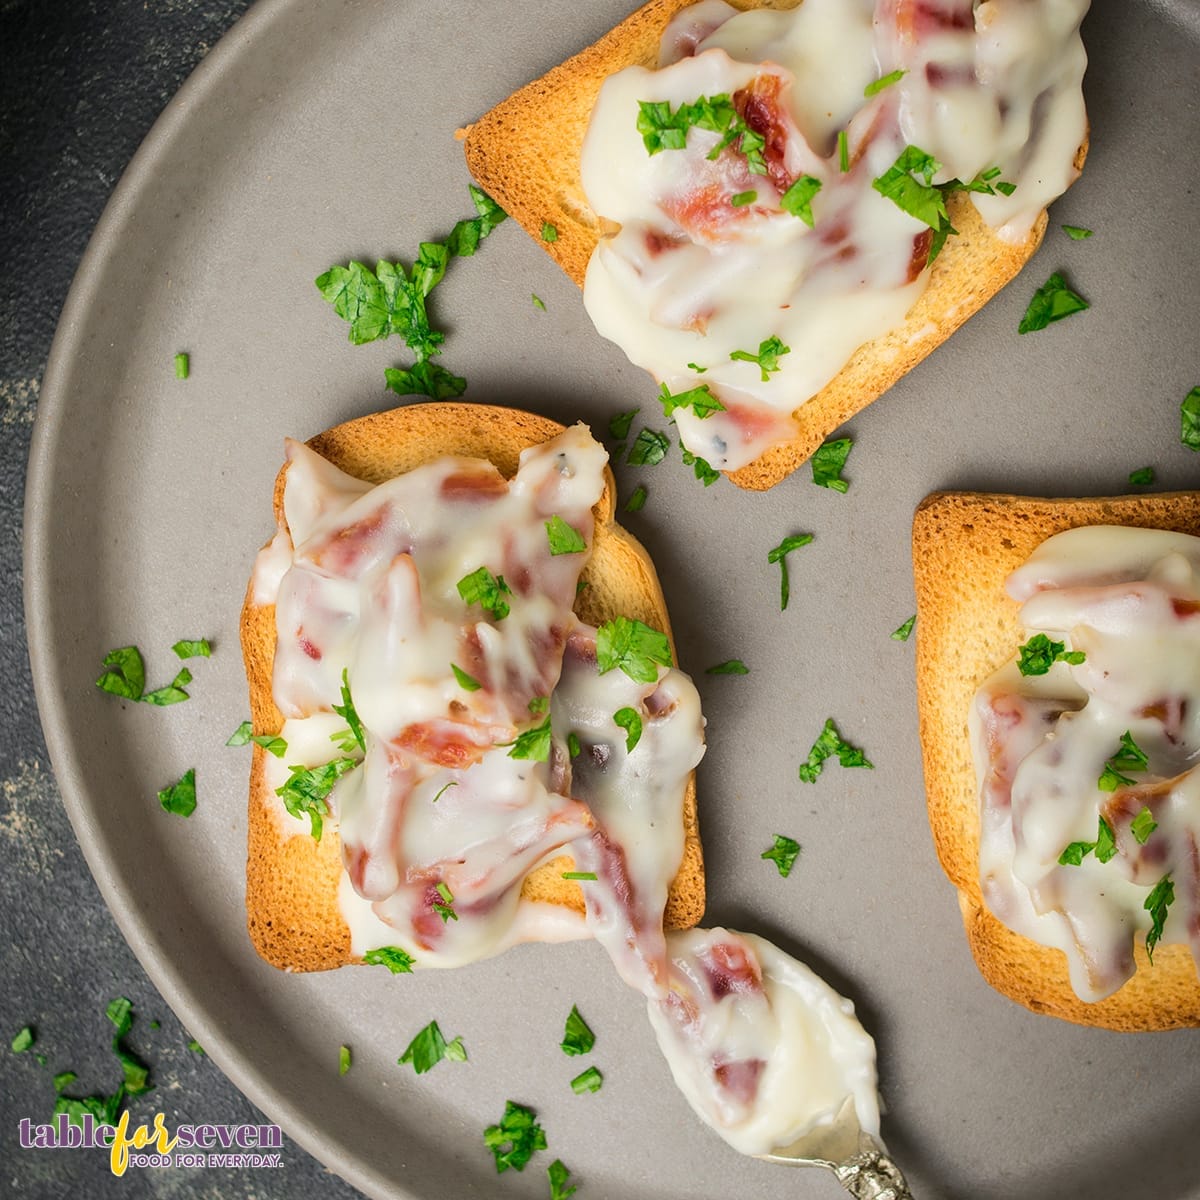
(964, 547)
(525, 153)
(291, 881)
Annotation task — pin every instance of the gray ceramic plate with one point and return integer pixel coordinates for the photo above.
(321, 130)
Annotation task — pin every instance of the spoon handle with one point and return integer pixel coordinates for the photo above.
(871, 1175)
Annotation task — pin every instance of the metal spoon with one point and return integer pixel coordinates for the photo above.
(857, 1161)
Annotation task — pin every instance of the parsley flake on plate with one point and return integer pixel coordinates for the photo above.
(272, 743)
(487, 590)
(1039, 654)
(466, 235)
(1189, 414)
(1161, 897)
(904, 632)
(180, 797)
(424, 378)
(241, 735)
(577, 1035)
(24, 1040)
(343, 1059)
(784, 854)
(636, 648)
(620, 425)
(183, 365)
(1130, 757)
(830, 742)
(637, 499)
(193, 648)
(429, 1048)
(538, 302)
(1076, 232)
(398, 961)
(770, 351)
(126, 674)
(828, 461)
(629, 720)
(563, 538)
(515, 1140)
(171, 693)
(1053, 301)
(731, 666)
(702, 470)
(649, 448)
(559, 1175)
(574, 749)
(1142, 477)
(306, 791)
(699, 399)
(798, 199)
(778, 554)
(587, 1081)
(195, 1047)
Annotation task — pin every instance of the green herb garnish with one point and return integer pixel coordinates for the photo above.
(1189, 414)
(533, 744)
(443, 789)
(1142, 477)
(649, 448)
(843, 150)
(664, 128)
(349, 714)
(885, 81)
(487, 590)
(828, 461)
(1105, 846)
(702, 470)
(1143, 825)
(24, 1040)
(241, 735)
(905, 631)
(398, 961)
(272, 743)
(580, 876)
(577, 1035)
(444, 907)
(538, 302)
(629, 720)
(636, 648)
(1129, 758)
(429, 1048)
(195, 1047)
(830, 742)
(466, 235)
(197, 648)
(587, 1081)
(1051, 302)
(1039, 654)
(180, 797)
(306, 791)
(1161, 897)
(424, 378)
(778, 554)
(620, 425)
(731, 666)
(637, 499)
(183, 365)
(741, 199)
(343, 1059)
(549, 233)
(126, 674)
(798, 199)
(1076, 232)
(539, 705)
(699, 399)
(515, 1139)
(563, 538)
(467, 682)
(559, 1190)
(574, 749)
(770, 351)
(784, 854)
(171, 693)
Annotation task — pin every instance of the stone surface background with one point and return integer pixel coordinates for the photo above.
(80, 85)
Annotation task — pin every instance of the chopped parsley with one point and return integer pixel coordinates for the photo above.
(830, 742)
(580, 876)
(549, 232)
(183, 365)
(424, 378)
(539, 705)
(241, 735)
(843, 150)
(577, 1035)
(171, 693)
(126, 677)
(828, 461)
(637, 499)
(24, 1040)
(798, 199)
(1053, 301)
(636, 648)
(1039, 654)
(664, 128)
(563, 538)
(1076, 232)
(343, 1059)
(180, 797)
(778, 554)
(444, 906)
(195, 1047)
(558, 1174)
(533, 744)
(538, 302)
(574, 749)
(620, 425)
(1142, 477)
(137, 1074)
(741, 199)
(885, 81)
(1105, 846)
(1161, 897)
(905, 631)
(487, 590)
(349, 714)
(649, 448)
(702, 470)
(466, 235)
(1189, 413)
(784, 854)
(398, 961)
(272, 743)
(429, 1048)
(1143, 825)
(770, 351)
(467, 682)
(195, 648)
(306, 791)
(629, 720)
(699, 399)
(515, 1140)
(731, 666)
(1130, 757)
(443, 789)
(587, 1081)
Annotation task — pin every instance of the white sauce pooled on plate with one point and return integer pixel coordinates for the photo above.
(1129, 600)
(707, 263)
(440, 826)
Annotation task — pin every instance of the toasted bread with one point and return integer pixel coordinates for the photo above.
(964, 547)
(526, 151)
(291, 880)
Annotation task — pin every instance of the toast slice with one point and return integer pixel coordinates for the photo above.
(525, 153)
(291, 880)
(964, 547)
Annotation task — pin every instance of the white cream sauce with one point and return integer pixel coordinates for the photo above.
(436, 800)
(1129, 599)
(692, 278)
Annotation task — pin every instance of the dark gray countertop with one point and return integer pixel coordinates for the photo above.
(80, 87)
